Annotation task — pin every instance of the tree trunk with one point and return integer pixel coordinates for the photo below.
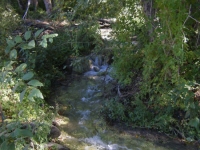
(48, 5)
(2, 117)
(149, 11)
(24, 4)
(20, 4)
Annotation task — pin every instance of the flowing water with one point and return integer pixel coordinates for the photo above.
(83, 128)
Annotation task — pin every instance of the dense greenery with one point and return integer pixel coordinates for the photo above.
(9, 21)
(165, 63)
(156, 63)
(21, 98)
(25, 118)
(30, 56)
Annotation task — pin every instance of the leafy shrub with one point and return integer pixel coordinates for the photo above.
(167, 56)
(9, 21)
(20, 97)
(73, 41)
(113, 111)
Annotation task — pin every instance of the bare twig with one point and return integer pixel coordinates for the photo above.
(180, 133)
(27, 8)
(194, 19)
(118, 91)
(188, 15)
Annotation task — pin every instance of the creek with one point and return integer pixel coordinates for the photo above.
(79, 102)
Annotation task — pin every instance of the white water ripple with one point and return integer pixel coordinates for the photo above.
(85, 114)
(99, 144)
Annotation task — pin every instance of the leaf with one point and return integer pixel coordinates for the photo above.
(15, 87)
(7, 50)
(37, 33)
(187, 114)
(18, 39)
(194, 122)
(49, 36)
(192, 105)
(13, 54)
(27, 35)
(25, 46)
(22, 133)
(35, 83)
(3, 133)
(51, 40)
(189, 139)
(35, 93)
(21, 67)
(64, 67)
(43, 43)
(31, 44)
(21, 96)
(26, 147)
(28, 76)
(9, 66)
(11, 126)
(7, 146)
(10, 43)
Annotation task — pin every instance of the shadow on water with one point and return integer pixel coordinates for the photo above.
(83, 128)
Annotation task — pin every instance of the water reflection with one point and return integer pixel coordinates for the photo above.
(84, 129)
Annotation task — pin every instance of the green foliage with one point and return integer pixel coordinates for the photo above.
(160, 49)
(165, 58)
(20, 97)
(73, 41)
(9, 21)
(128, 56)
(86, 10)
(99, 9)
(113, 111)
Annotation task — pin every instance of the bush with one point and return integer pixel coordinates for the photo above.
(27, 117)
(165, 57)
(9, 22)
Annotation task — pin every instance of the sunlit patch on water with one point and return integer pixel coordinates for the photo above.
(85, 114)
(84, 99)
(91, 74)
(99, 144)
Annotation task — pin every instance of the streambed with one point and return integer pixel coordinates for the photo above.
(79, 103)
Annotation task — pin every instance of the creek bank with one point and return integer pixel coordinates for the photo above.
(52, 145)
(158, 138)
(79, 103)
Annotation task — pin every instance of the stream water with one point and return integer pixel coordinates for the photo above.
(78, 104)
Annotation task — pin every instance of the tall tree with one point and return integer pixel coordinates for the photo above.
(48, 5)
(23, 5)
(149, 11)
